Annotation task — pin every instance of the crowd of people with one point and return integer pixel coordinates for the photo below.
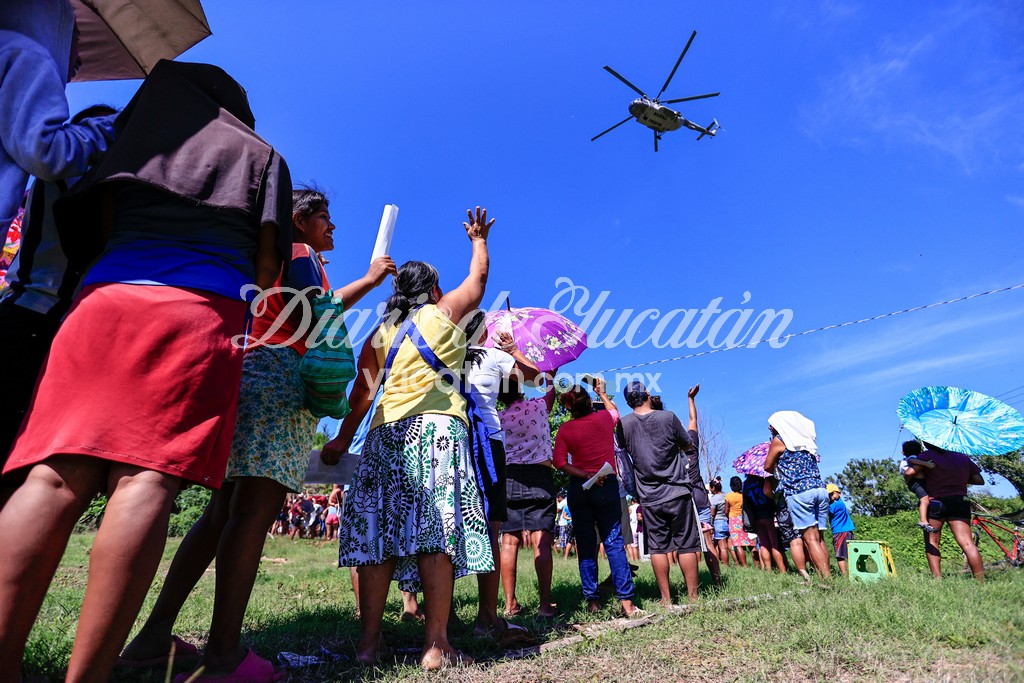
(309, 515)
(142, 230)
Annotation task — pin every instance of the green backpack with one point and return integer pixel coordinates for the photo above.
(328, 364)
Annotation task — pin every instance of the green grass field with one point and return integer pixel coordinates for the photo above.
(907, 628)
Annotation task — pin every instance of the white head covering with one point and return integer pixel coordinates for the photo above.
(795, 430)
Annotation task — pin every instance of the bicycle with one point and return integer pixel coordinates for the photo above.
(1012, 544)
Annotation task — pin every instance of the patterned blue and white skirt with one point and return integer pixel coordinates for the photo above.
(414, 492)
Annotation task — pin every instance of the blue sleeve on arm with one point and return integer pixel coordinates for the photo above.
(33, 111)
(304, 272)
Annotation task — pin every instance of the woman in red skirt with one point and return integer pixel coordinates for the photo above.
(138, 394)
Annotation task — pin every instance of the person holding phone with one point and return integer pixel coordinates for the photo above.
(583, 446)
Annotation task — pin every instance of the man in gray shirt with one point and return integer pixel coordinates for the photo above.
(658, 444)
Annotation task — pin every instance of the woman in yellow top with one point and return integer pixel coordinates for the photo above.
(414, 512)
(737, 534)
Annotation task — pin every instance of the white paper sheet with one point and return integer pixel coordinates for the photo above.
(319, 473)
(605, 470)
(386, 231)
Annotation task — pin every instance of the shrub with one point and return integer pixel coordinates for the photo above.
(188, 507)
(93, 515)
(906, 541)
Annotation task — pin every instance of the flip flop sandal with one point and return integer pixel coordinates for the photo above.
(184, 651)
(252, 669)
(512, 635)
(515, 636)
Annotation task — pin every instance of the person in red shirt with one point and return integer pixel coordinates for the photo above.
(583, 446)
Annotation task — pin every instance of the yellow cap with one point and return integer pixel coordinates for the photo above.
(832, 488)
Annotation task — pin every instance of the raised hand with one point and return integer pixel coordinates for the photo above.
(478, 226)
(505, 341)
(692, 393)
(380, 268)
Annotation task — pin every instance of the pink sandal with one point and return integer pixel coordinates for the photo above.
(252, 669)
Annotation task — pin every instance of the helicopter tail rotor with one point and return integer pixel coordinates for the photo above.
(711, 129)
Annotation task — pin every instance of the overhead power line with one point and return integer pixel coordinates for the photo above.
(1011, 391)
(787, 337)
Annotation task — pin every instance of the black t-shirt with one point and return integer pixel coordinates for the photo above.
(657, 443)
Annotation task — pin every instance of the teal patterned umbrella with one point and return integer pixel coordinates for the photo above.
(961, 420)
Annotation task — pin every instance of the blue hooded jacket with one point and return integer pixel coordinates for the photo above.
(35, 54)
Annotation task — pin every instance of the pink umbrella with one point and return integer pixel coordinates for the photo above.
(751, 461)
(546, 338)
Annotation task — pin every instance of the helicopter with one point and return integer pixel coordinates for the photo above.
(652, 112)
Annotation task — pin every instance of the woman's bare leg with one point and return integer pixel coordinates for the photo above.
(355, 590)
(510, 542)
(53, 496)
(374, 583)
(711, 558)
(816, 549)
(122, 563)
(796, 549)
(437, 574)
(254, 503)
(193, 557)
(740, 554)
(962, 533)
(487, 586)
(770, 550)
(543, 565)
(410, 607)
(723, 551)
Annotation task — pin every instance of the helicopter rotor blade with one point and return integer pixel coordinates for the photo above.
(678, 62)
(628, 118)
(619, 76)
(692, 97)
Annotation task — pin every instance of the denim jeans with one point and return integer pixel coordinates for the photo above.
(599, 507)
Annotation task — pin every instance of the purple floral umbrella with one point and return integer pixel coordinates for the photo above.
(751, 461)
(546, 338)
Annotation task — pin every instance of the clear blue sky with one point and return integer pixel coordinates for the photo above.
(871, 159)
